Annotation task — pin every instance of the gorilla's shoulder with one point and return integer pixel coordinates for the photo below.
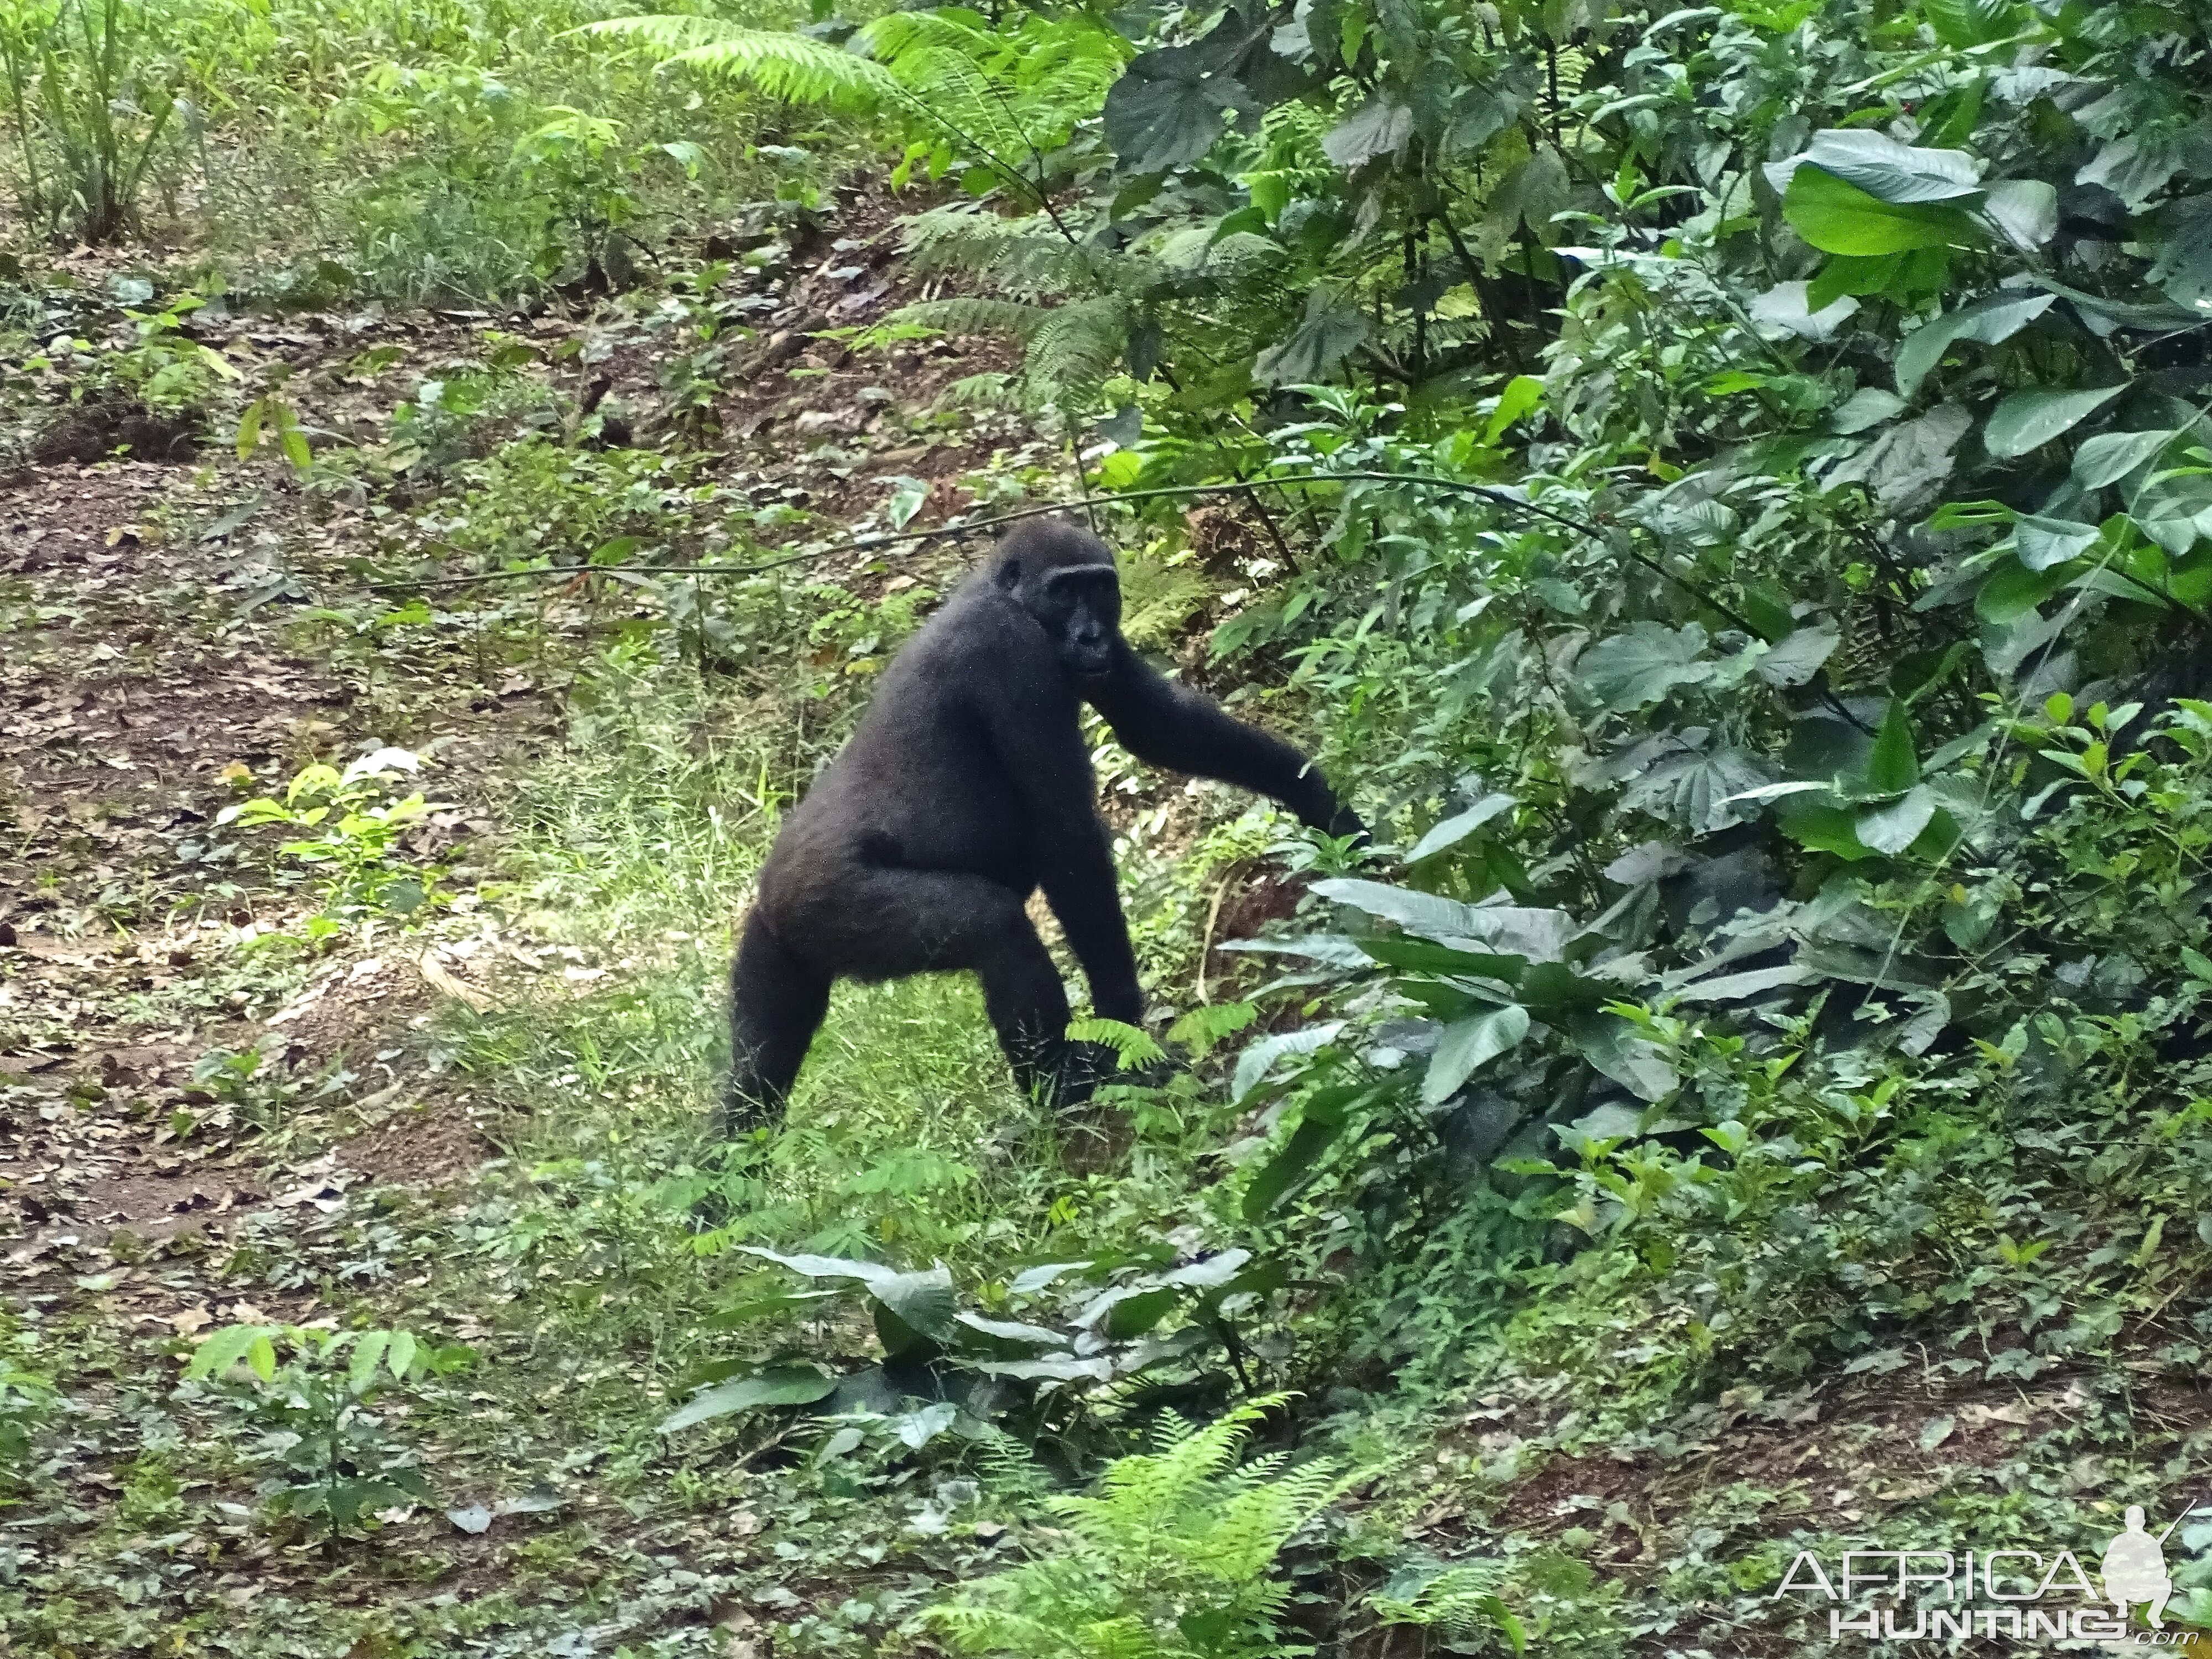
(982, 630)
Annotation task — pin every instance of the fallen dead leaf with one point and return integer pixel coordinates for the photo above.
(435, 974)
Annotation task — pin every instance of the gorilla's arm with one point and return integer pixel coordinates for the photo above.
(1163, 725)
(1034, 729)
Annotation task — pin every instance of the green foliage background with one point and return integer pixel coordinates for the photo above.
(1735, 490)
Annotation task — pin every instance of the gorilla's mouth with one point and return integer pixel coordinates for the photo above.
(1092, 662)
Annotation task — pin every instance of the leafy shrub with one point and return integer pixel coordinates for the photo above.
(330, 1455)
(92, 101)
(1172, 1559)
(354, 821)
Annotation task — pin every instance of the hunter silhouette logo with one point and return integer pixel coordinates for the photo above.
(2007, 1593)
(2134, 1568)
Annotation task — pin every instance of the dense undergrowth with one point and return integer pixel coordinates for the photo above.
(1726, 490)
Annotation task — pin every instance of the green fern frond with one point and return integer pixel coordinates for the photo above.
(967, 316)
(890, 37)
(1076, 348)
(986, 391)
(961, 95)
(1460, 1600)
(1176, 1539)
(790, 67)
(1244, 251)
(1028, 257)
(1025, 90)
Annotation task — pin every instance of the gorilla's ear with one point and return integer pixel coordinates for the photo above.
(1008, 576)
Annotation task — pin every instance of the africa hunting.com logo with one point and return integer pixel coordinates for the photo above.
(2011, 1593)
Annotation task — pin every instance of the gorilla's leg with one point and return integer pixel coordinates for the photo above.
(776, 1005)
(1028, 1005)
(898, 922)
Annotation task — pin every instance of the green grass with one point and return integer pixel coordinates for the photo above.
(635, 846)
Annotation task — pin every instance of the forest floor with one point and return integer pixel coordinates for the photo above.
(481, 1124)
(207, 1122)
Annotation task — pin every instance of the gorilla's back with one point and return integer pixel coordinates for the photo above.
(921, 784)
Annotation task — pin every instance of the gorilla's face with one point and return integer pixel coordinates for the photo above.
(1064, 577)
(1080, 606)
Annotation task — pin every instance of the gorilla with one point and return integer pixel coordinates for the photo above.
(966, 787)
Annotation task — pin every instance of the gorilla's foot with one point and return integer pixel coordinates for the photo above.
(1095, 1139)
(741, 1113)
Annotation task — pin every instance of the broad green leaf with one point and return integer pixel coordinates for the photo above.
(1523, 393)
(1908, 461)
(219, 1349)
(1733, 987)
(1822, 827)
(1538, 934)
(1891, 828)
(907, 497)
(1166, 110)
(1970, 23)
(249, 427)
(1031, 1281)
(825, 1267)
(753, 1307)
(924, 1302)
(1008, 1330)
(1893, 172)
(1292, 1167)
(1842, 275)
(1529, 195)
(785, 1385)
(1693, 788)
(1210, 1273)
(367, 1352)
(1132, 1315)
(1422, 956)
(2024, 210)
(1838, 217)
(2013, 591)
(1458, 827)
(2189, 581)
(1892, 767)
(1425, 913)
(1617, 1049)
(1253, 1064)
(1057, 1368)
(1468, 1045)
(1628, 670)
(2110, 456)
(1329, 332)
(1379, 128)
(1991, 319)
(1868, 406)
(2175, 509)
(2042, 543)
(399, 1356)
(1787, 308)
(1796, 659)
(2185, 252)
(1553, 987)
(2028, 420)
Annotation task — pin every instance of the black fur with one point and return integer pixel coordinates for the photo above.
(967, 788)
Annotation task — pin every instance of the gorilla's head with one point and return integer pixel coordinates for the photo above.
(1063, 576)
